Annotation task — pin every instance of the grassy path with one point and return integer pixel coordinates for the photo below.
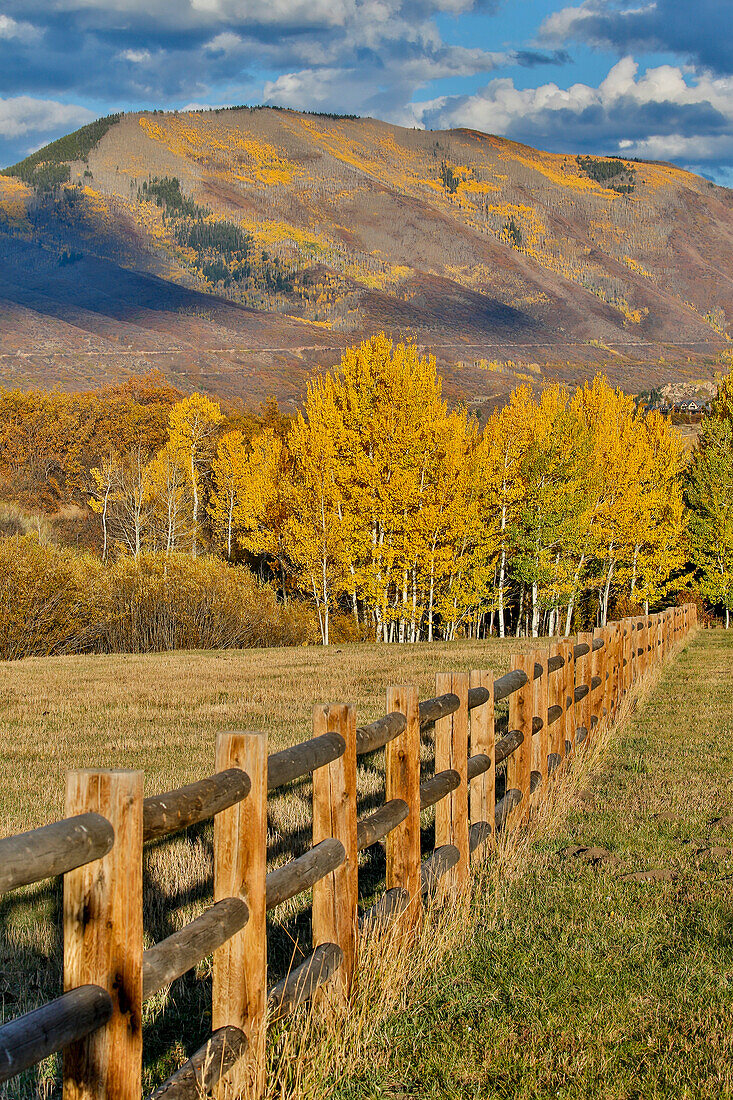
(582, 984)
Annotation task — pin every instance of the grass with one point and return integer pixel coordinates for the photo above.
(568, 981)
(551, 978)
(161, 713)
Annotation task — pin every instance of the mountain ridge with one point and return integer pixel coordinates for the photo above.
(298, 230)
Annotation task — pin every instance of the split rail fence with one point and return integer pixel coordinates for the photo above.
(556, 700)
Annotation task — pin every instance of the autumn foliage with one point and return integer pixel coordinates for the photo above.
(377, 506)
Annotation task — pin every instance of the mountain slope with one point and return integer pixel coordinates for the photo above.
(318, 230)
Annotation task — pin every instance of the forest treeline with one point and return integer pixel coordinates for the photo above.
(384, 512)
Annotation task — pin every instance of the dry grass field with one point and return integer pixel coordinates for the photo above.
(161, 712)
(556, 976)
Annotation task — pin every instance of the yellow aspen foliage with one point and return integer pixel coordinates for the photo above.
(193, 423)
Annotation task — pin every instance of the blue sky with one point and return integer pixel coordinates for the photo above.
(650, 79)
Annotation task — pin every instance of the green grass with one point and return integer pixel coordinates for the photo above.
(575, 983)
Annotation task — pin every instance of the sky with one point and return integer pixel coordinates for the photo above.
(643, 79)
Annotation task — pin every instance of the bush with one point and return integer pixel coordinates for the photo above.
(160, 603)
(59, 601)
(44, 596)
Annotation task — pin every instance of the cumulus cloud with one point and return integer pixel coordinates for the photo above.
(136, 57)
(694, 32)
(383, 57)
(389, 48)
(24, 115)
(658, 114)
(12, 29)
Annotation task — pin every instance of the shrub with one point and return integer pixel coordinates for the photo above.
(61, 601)
(159, 603)
(44, 596)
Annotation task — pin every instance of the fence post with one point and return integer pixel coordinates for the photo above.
(541, 742)
(402, 768)
(482, 740)
(451, 751)
(239, 991)
(335, 897)
(568, 743)
(644, 647)
(607, 665)
(598, 668)
(585, 708)
(627, 647)
(617, 666)
(519, 764)
(556, 698)
(103, 937)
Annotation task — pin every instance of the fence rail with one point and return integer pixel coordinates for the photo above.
(556, 701)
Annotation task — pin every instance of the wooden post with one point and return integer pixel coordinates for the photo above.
(541, 741)
(519, 764)
(451, 751)
(645, 634)
(335, 897)
(569, 700)
(556, 698)
(482, 733)
(618, 659)
(608, 672)
(402, 768)
(103, 937)
(584, 675)
(627, 645)
(239, 993)
(598, 668)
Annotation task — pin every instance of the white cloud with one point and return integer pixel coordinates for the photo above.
(137, 57)
(19, 31)
(658, 114)
(227, 42)
(693, 31)
(23, 115)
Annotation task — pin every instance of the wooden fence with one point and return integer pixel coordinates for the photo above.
(556, 700)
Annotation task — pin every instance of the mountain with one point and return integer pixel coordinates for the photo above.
(240, 249)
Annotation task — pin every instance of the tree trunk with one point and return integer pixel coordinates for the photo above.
(195, 491)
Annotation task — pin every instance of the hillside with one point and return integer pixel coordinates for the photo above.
(238, 249)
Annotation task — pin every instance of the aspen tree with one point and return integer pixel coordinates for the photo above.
(193, 423)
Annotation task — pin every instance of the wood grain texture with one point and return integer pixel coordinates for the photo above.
(29, 1039)
(598, 670)
(335, 897)
(202, 1072)
(569, 689)
(402, 766)
(482, 802)
(584, 675)
(239, 992)
(53, 849)
(170, 958)
(451, 752)
(556, 698)
(103, 937)
(301, 873)
(541, 740)
(519, 764)
(164, 814)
